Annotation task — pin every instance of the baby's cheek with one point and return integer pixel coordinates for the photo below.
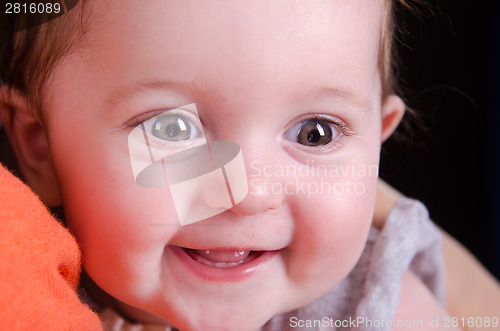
(121, 227)
(142, 217)
(331, 227)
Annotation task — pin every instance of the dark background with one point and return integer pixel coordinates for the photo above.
(450, 64)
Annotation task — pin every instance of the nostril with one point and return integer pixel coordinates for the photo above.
(258, 202)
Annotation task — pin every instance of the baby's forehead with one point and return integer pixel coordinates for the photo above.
(234, 54)
(278, 39)
(256, 21)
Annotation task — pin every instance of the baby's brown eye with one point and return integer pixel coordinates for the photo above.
(312, 132)
(171, 127)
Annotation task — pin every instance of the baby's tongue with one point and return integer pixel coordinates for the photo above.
(223, 256)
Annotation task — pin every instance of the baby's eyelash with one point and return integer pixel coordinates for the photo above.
(140, 119)
(173, 129)
(341, 126)
(317, 132)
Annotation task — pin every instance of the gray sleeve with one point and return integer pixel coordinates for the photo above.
(409, 240)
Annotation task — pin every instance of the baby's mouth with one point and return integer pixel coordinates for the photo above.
(222, 258)
(221, 264)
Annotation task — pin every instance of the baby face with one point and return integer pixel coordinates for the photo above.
(294, 83)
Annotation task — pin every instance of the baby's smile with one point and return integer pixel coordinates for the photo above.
(223, 264)
(221, 258)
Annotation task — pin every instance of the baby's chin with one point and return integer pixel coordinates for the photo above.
(227, 317)
(220, 313)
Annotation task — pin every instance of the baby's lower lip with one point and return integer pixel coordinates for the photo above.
(222, 265)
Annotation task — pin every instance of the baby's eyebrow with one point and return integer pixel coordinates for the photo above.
(126, 91)
(343, 95)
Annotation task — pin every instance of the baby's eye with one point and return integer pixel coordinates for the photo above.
(312, 132)
(174, 125)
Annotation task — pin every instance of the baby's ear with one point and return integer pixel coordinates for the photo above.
(30, 144)
(393, 110)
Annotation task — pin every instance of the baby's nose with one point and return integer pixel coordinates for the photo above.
(264, 189)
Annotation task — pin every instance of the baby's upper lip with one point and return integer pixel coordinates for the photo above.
(215, 248)
(227, 241)
(263, 232)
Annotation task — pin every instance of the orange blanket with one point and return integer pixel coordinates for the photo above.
(39, 265)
